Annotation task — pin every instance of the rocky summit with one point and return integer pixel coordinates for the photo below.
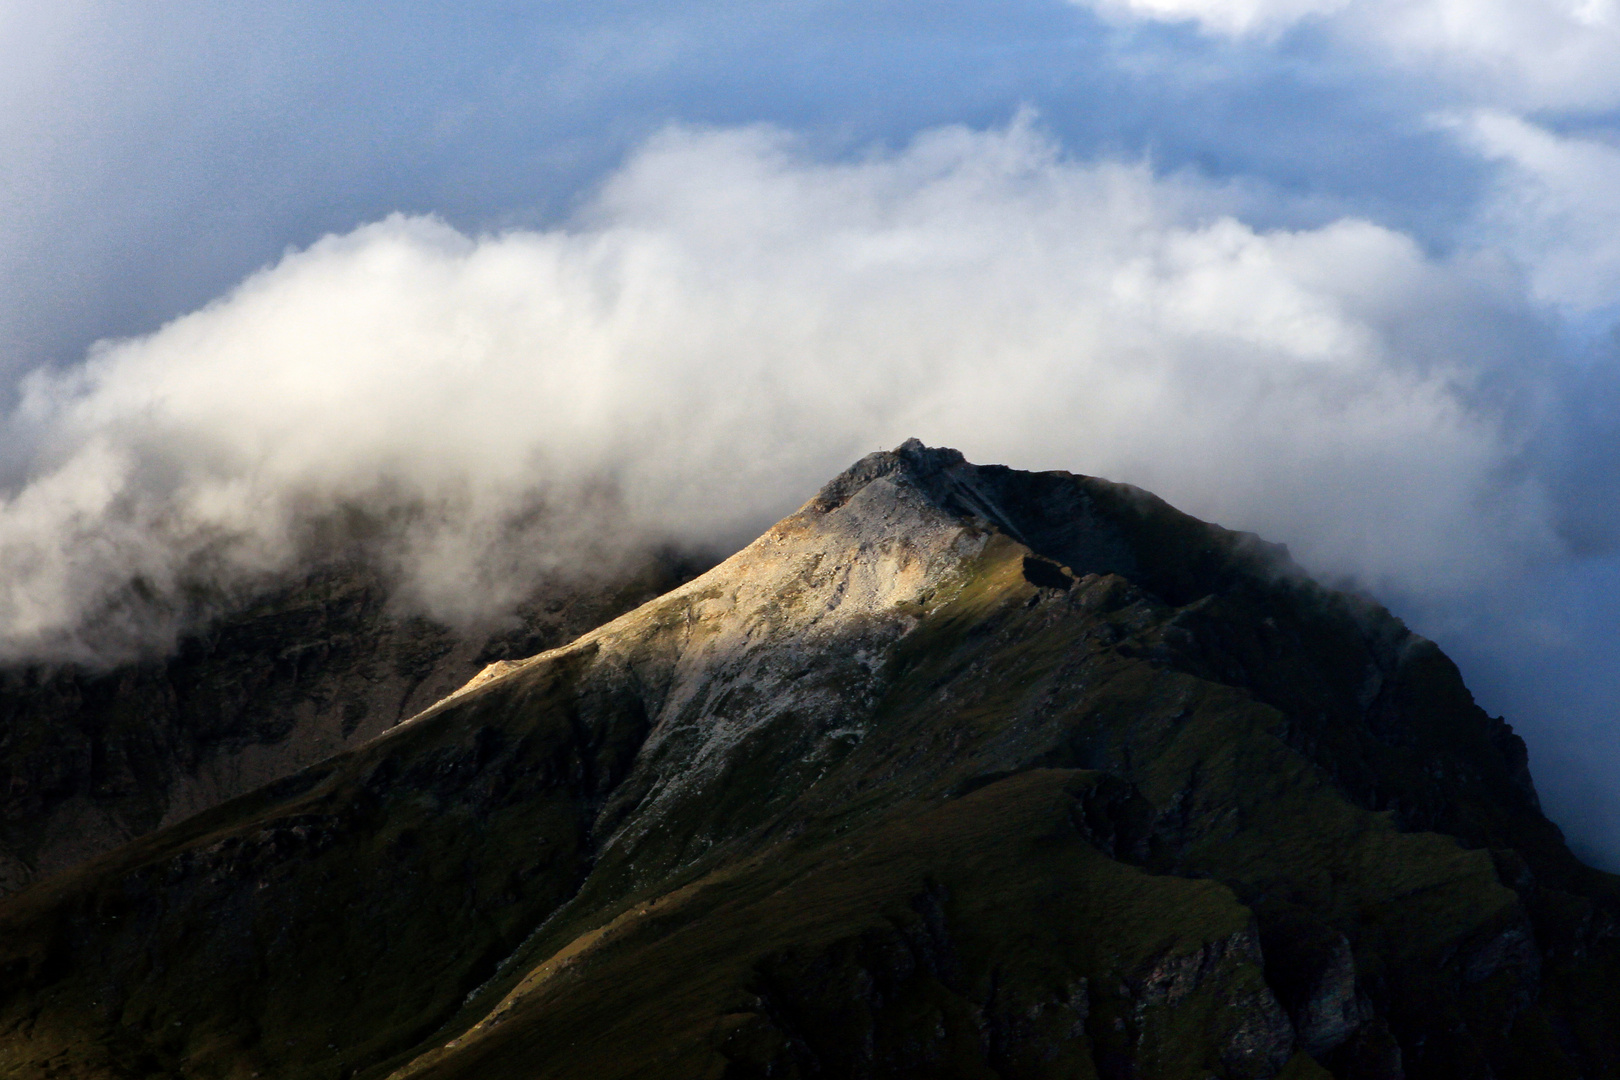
(956, 772)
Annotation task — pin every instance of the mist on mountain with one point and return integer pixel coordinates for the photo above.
(727, 320)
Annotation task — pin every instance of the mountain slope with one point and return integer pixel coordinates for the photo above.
(958, 771)
(91, 758)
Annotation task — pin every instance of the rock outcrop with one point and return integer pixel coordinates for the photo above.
(956, 772)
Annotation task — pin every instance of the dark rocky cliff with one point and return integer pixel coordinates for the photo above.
(957, 772)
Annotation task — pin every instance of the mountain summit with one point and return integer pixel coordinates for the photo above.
(958, 771)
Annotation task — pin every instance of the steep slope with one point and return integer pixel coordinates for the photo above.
(91, 758)
(957, 772)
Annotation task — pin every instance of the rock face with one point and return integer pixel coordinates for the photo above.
(90, 759)
(956, 772)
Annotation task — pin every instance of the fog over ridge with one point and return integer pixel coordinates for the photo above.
(727, 323)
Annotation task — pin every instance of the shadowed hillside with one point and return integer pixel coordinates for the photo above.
(91, 758)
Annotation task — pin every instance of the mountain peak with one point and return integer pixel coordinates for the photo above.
(910, 457)
(1084, 523)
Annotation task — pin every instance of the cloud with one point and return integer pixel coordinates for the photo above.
(1554, 206)
(1523, 54)
(731, 320)
(1233, 18)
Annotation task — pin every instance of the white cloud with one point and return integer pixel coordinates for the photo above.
(1525, 54)
(1234, 18)
(1522, 54)
(726, 325)
(1555, 206)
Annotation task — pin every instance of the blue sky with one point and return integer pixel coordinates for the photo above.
(1344, 273)
(218, 138)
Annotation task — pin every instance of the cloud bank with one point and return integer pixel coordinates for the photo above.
(727, 323)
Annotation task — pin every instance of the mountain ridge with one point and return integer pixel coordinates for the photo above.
(957, 771)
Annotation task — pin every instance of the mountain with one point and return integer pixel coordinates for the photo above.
(958, 771)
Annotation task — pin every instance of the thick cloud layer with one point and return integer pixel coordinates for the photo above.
(728, 323)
